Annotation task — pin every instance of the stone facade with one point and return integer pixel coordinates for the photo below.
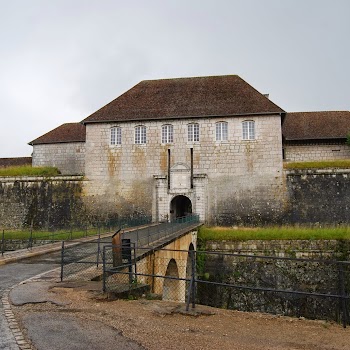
(233, 181)
(318, 196)
(69, 158)
(316, 152)
(42, 202)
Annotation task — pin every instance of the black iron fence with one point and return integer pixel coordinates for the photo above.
(315, 289)
(148, 235)
(128, 269)
(11, 240)
(78, 261)
(310, 288)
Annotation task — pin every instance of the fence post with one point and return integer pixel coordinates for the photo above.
(98, 249)
(343, 295)
(3, 243)
(62, 260)
(30, 243)
(193, 278)
(104, 270)
(135, 264)
(192, 285)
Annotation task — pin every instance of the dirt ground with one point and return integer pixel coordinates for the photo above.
(158, 325)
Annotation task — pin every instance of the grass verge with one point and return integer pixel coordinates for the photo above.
(339, 164)
(27, 170)
(269, 233)
(47, 235)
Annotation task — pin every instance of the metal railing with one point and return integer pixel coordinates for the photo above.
(85, 255)
(11, 240)
(149, 235)
(310, 288)
(307, 288)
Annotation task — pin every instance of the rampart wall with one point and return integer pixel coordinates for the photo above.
(310, 197)
(41, 202)
(318, 196)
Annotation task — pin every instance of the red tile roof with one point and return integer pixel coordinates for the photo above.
(316, 125)
(69, 132)
(6, 162)
(186, 97)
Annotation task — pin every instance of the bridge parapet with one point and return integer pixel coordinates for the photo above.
(166, 268)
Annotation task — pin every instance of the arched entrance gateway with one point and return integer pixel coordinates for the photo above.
(180, 206)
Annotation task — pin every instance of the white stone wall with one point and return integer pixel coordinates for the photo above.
(231, 178)
(69, 158)
(302, 153)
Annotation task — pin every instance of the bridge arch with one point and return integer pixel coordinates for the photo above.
(171, 287)
(180, 206)
(171, 261)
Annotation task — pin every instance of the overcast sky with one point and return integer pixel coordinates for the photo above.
(62, 60)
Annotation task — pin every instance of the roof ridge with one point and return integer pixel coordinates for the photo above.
(193, 77)
(343, 111)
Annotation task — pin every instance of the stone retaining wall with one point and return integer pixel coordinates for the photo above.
(41, 202)
(320, 276)
(318, 196)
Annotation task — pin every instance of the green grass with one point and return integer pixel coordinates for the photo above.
(55, 235)
(329, 164)
(268, 233)
(27, 170)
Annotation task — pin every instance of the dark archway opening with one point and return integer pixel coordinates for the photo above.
(180, 206)
(171, 287)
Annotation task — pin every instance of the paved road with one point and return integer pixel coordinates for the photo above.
(47, 330)
(11, 274)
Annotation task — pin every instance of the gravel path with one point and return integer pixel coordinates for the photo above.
(158, 325)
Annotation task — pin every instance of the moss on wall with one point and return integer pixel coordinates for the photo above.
(43, 203)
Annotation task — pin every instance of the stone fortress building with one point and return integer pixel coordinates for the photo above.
(63, 147)
(213, 146)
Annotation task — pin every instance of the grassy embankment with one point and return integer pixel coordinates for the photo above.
(27, 170)
(329, 164)
(269, 233)
(49, 235)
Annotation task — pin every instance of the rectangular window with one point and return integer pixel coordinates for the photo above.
(112, 136)
(167, 134)
(193, 132)
(248, 130)
(116, 136)
(221, 131)
(140, 135)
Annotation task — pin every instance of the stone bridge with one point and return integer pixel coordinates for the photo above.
(165, 267)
